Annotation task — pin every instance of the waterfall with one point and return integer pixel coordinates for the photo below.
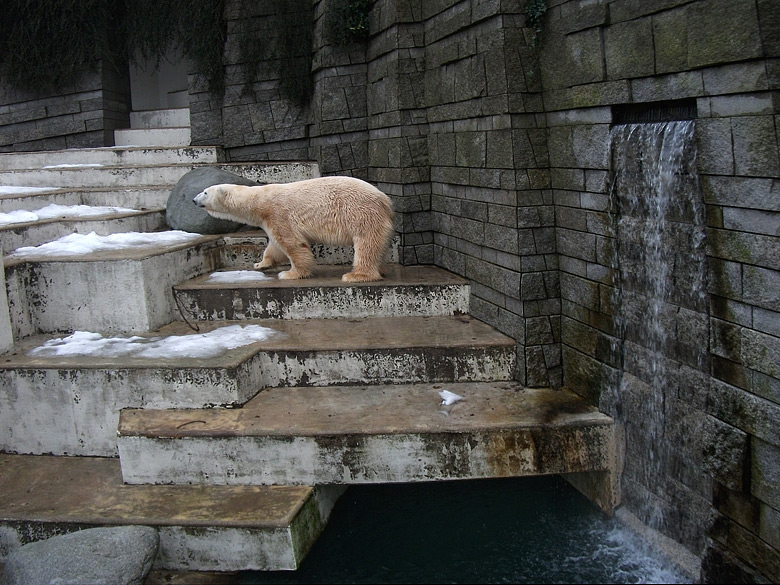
(660, 305)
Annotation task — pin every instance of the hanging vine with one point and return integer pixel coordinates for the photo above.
(278, 35)
(45, 43)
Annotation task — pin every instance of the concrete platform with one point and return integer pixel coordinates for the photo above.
(112, 156)
(70, 405)
(369, 434)
(264, 528)
(110, 291)
(87, 174)
(144, 197)
(153, 136)
(410, 291)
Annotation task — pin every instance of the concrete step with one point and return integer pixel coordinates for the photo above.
(201, 528)
(114, 176)
(69, 404)
(131, 290)
(165, 118)
(369, 434)
(239, 295)
(34, 233)
(152, 136)
(111, 157)
(107, 291)
(32, 198)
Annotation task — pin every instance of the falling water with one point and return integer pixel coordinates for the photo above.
(660, 305)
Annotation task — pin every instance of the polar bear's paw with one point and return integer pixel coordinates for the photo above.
(293, 274)
(264, 265)
(361, 277)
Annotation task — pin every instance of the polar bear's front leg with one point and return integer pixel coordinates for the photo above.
(272, 256)
(298, 250)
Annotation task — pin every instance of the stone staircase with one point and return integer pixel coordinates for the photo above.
(239, 455)
(156, 127)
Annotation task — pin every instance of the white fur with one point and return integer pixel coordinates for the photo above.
(339, 211)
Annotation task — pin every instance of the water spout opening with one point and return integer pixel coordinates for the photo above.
(654, 112)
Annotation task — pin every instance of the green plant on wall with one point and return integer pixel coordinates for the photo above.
(346, 21)
(534, 15)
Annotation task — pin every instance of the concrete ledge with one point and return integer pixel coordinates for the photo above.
(121, 291)
(377, 434)
(410, 291)
(112, 156)
(201, 528)
(45, 409)
(16, 235)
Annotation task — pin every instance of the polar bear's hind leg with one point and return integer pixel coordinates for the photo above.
(369, 258)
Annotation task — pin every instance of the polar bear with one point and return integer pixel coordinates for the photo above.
(337, 210)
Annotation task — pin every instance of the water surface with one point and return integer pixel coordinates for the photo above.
(523, 530)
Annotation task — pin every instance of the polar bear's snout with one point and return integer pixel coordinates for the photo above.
(200, 199)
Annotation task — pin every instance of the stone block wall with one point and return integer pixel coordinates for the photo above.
(495, 147)
(721, 413)
(82, 115)
(492, 212)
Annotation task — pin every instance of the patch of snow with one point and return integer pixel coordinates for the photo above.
(74, 244)
(198, 345)
(54, 210)
(70, 165)
(231, 276)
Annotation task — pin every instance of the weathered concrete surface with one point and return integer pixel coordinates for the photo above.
(369, 434)
(134, 197)
(112, 156)
(6, 337)
(410, 291)
(113, 291)
(45, 407)
(97, 175)
(208, 528)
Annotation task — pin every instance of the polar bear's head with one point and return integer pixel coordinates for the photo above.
(214, 200)
(209, 197)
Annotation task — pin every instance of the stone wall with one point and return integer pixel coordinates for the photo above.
(82, 115)
(720, 444)
(495, 146)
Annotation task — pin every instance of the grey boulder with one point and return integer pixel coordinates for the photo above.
(117, 555)
(182, 214)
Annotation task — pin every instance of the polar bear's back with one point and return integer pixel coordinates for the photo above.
(336, 210)
(350, 190)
